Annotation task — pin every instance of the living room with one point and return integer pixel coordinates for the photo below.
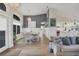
(36, 25)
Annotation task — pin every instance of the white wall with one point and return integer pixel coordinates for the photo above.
(16, 12)
(47, 33)
(10, 26)
(3, 27)
(69, 25)
(37, 30)
(60, 21)
(3, 23)
(8, 16)
(6, 24)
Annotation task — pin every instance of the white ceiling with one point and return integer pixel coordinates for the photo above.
(69, 10)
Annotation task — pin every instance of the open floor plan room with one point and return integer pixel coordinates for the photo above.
(39, 29)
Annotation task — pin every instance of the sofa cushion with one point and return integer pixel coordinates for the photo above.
(71, 47)
(66, 41)
(77, 40)
(73, 40)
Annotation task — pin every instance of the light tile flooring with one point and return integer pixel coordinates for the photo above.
(34, 49)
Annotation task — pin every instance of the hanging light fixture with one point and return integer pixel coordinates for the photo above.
(29, 18)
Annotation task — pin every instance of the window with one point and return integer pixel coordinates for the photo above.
(14, 29)
(16, 17)
(18, 29)
(52, 22)
(2, 6)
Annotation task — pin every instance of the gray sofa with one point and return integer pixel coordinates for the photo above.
(72, 49)
(70, 43)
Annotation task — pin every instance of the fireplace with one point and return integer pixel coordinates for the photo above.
(2, 39)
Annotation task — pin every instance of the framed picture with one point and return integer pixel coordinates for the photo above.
(53, 22)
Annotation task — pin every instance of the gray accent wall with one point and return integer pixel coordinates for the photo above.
(37, 18)
(25, 22)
